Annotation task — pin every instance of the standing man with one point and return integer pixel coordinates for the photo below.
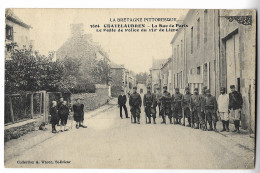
(202, 98)
(235, 106)
(185, 106)
(121, 103)
(158, 96)
(78, 110)
(176, 106)
(58, 107)
(135, 102)
(166, 105)
(210, 107)
(223, 101)
(150, 105)
(195, 106)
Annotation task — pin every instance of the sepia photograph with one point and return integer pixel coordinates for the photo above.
(130, 88)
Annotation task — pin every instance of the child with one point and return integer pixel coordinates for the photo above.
(54, 116)
(64, 113)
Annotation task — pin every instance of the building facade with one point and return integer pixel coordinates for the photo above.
(217, 49)
(17, 34)
(155, 73)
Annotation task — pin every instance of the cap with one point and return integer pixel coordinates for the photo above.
(196, 89)
(207, 91)
(177, 89)
(165, 87)
(232, 86)
(187, 88)
(204, 88)
(122, 90)
(158, 88)
(222, 89)
(134, 87)
(148, 87)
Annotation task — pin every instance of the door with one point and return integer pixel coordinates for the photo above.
(233, 61)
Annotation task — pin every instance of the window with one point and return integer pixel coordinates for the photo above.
(198, 70)
(205, 25)
(191, 41)
(198, 32)
(9, 32)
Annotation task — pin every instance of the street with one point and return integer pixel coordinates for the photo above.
(112, 142)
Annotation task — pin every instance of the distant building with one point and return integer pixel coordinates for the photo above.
(17, 34)
(166, 75)
(141, 88)
(155, 73)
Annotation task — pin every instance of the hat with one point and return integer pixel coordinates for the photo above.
(148, 87)
(177, 89)
(232, 86)
(165, 87)
(187, 88)
(223, 89)
(207, 91)
(196, 89)
(158, 88)
(204, 88)
(122, 90)
(134, 87)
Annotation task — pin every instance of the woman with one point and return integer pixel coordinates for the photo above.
(78, 109)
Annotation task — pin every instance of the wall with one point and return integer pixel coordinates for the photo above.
(245, 54)
(93, 101)
(117, 75)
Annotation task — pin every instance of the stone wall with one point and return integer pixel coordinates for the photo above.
(92, 101)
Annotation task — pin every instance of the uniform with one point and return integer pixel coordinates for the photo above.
(235, 106)
(150, 106)
(166, 106)
(186, 107)
(177, 99)
(223, 102)
(195, 106)
(210, 107)
(135, 102)
(202, 98)
(158, 100)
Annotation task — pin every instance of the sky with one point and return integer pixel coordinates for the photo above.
(51, 28)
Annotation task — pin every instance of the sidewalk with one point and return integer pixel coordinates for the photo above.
(16, 146)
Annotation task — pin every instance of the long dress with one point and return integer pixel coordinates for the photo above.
(78, 112)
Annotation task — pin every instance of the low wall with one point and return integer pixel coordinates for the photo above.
(14, 131)
(93, 101)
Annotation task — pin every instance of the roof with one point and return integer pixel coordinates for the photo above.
(114, 65)
(9, 15)
(167, 62)
(158, 64)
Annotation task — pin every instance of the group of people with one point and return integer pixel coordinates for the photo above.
(201, 110)
(60, 112)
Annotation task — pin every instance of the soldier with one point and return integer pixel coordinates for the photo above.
(235, 106)
(185, 106)
(223, 101)
(210, 107)
(176, 106)
(195, 106)
(150, 105)
(202, 98)
(166, 105)
(158, 96)
(135, 103)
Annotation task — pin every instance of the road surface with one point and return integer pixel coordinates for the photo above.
(111, 142)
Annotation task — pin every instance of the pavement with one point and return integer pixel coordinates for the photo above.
(112, 142)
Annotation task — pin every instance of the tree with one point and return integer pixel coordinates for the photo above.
(141, 77)
(30, 71)
(101, 72)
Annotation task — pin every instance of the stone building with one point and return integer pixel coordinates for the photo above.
(155, 73)
(217, 49)
(17, 33)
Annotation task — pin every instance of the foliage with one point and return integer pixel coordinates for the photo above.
(101, 72)
(142, 77)
(30, 71)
